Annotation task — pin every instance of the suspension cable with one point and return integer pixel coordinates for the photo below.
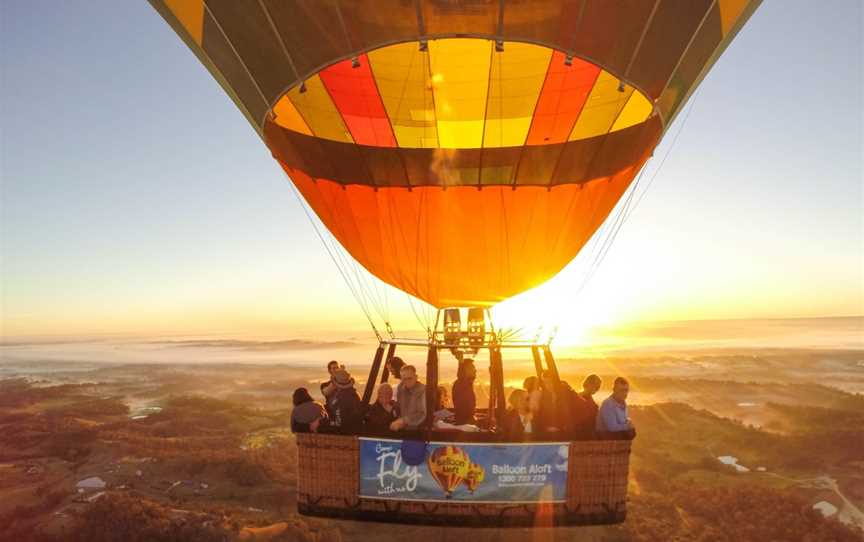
(333, 257)
(671, 145)
(629, 205)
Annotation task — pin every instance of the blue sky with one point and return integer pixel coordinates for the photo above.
(137, 199)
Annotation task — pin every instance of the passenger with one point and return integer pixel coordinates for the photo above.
(384, 411)
(518, 418)
(443, 410)
(346, 409)
(532, 387)
(411, 398)
(332, 367)
(464, 400)
(612, 419)
(554, 404)
(394, 366)
(307, 414)
(328, 388)
(585, 408)
(443, 398)
(565, 406)
(547, 415)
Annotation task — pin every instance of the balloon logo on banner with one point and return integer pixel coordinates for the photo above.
(449, 465)
(475, 475)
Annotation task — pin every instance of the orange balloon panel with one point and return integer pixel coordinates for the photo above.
(463, 246)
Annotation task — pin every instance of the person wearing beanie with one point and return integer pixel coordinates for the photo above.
(307, 414)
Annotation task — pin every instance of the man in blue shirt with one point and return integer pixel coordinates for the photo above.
(612, 419)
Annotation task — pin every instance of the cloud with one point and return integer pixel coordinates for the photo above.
(257, 346)
(47, 342)
(759, 328)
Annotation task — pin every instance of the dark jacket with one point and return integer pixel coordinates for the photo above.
(346, 411)
(555, 410)
(584, 415)
(378, 419)
(464, 401)
(328, 401)
(511, 425)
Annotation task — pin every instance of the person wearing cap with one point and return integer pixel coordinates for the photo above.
(346, 411)
(411, 398)
(307, 414)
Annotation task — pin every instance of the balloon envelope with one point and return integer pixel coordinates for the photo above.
(461, 152)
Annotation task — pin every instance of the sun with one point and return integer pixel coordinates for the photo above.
(556, 309)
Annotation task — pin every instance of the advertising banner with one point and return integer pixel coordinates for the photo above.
(473, 472)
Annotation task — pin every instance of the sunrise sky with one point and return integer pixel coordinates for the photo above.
(136, 199)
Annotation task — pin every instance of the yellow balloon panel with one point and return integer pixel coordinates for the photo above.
(637, 109)
(285, 114)
(515, 80)
(503, 132)
(460, 82)
(404, 82)
(602, 107)
(319, 111)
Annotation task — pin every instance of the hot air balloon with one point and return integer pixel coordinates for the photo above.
(462, 151)
(448, 465)
(474, 477)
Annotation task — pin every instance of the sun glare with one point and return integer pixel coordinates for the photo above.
(555, 310)
(572, 308)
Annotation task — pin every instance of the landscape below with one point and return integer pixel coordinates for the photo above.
(729, 447)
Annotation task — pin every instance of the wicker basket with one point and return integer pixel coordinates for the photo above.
(328, 485)
(327, 470)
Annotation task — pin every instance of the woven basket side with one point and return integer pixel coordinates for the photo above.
(327, 469)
